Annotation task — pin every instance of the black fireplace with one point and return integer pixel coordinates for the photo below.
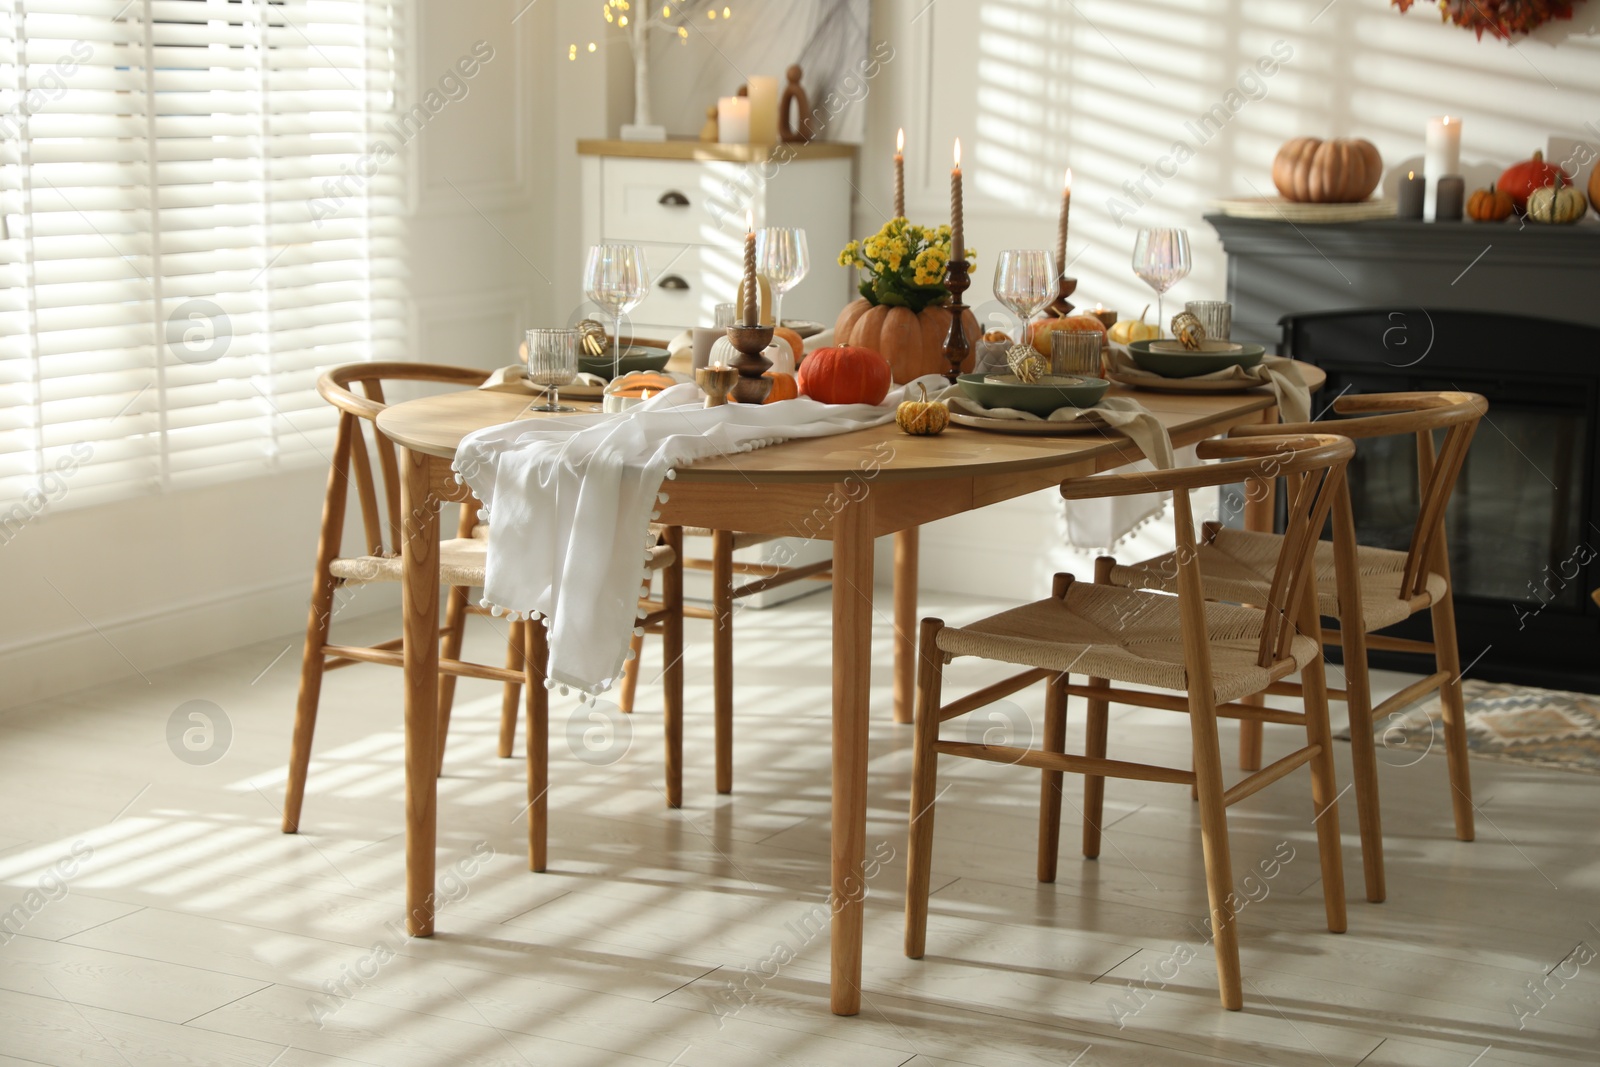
(1523, 533)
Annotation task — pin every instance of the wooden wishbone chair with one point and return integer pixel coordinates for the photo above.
(1217, 653)
(461, 567)
(1367, 589)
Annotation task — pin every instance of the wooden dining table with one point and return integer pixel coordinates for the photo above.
(849, 489)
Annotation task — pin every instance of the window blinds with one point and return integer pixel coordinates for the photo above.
(192, 232)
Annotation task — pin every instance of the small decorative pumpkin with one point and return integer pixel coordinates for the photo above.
(1128, 331)
(1340, 171)
(1027, 364)
(1039, 330)
(1558, 203)
(912, 341)
(1521, 179)
(922, 418)
(1594, 188)
(1490, 205)
(845, 374)
(784, 387)
(1189, 331)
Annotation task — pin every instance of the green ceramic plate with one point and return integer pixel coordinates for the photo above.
(1170, 360)
(1057, 391)
(634, 358)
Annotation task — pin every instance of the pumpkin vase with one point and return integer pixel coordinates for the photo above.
(912, 341)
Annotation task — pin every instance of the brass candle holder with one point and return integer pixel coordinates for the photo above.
(751, 341)
(956, 348)
(1061, 307)
(715, 381)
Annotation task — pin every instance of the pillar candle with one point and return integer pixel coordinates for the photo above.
(1411, 187)
(900, 175)
(763, 110)
(733, 120)
(751, 290)
(1450, 198)
(958, 244)
(1061, 227)
(1441, 157)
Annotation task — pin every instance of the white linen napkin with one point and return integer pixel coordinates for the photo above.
(1294, 399)
(569, 502)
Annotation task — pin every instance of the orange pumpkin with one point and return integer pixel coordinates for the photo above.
(912, 341)
(1327, 172)
(1039, 331)
(845, 374)
(1489, 205)
(1520, 179)
(1594, 188)
(784, 387)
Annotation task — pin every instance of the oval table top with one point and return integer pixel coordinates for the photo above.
(435, 426)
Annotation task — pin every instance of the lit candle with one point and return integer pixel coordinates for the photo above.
(958, 246)
(1107, 317)
(750, 289)
(733, 120)
(1411, 189)
(1441, 156)
(900, 174)
(1061, 227)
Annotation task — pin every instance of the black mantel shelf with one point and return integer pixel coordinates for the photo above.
(1281, 268)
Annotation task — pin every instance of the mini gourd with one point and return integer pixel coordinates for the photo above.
(922, 418)
(1558, 203)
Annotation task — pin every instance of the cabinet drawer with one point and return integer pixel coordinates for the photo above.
(686, 284)
(663, 200)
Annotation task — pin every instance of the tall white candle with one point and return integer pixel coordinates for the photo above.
(1441, 158)
(733, 120)
(763, 110)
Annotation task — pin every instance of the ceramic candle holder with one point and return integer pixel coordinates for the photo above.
(715, 381)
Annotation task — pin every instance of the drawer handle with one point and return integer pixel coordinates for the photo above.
(673, 281)
(673, 198)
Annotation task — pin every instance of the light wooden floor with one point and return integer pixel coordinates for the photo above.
(191, 932)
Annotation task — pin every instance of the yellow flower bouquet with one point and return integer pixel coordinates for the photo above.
(903, 265)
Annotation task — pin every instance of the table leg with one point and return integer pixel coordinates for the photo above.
(1260, 511)
(852, 673)
(906, 543)
(420, 609)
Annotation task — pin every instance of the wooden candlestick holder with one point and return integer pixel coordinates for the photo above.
(751, 341)
(714, 382)
(956, 347)
(1061, 307)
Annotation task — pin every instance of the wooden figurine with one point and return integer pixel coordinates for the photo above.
(708, 132)
(801, 130)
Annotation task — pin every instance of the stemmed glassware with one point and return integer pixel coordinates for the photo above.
(783, 260)
(552, 363)
(1025, 281)
(1161, 258)
(616, 279)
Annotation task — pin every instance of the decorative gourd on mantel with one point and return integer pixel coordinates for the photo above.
(1521, 179)
(1490, 205)
(1558, 203)
(1340, 171)
(902, 313)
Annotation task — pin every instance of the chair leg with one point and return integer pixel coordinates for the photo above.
(1363, 754)
(536, 653)
(722, 655)
(1214, 842)
(1055, 740)
(305, 712)
(511, 693)
(1324, 780)
(455, 626)
(630, 674)
(924, 786)
(672, 674)
(1447, 658)
(1094, 786)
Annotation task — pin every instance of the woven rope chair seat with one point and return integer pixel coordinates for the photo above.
(461, 563)
(1126, 635)
(740, 540)
(1238, 566)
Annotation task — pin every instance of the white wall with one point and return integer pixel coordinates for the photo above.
(157, 580)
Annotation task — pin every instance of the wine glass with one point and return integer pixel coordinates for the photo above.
(782, 259)
(616, 279)
(1025, 281)
(552, 363)
(1161, 258)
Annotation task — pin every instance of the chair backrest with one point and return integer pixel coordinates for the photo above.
(352, 463)
(1420, 415)
(1314, 465)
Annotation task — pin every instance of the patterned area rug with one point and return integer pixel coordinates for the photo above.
(1516, 723)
